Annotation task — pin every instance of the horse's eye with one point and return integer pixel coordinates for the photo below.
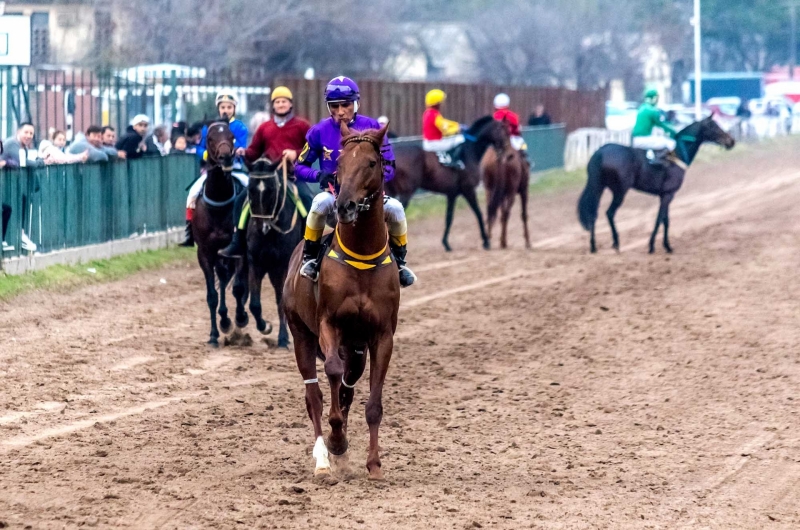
(372, 163)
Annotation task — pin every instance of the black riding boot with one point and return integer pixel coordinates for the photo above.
(311, 260)
(407, 277)
(188, 236)
(237, 247)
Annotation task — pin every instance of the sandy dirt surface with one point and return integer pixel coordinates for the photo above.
(543, 389)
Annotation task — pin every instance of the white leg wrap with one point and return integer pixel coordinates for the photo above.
(194, 192)
(320, 453)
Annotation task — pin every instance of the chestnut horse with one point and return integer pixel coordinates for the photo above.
(212, 226)
(505, 173)
(352, 310)
(418, 169)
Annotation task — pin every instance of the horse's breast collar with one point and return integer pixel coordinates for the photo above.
(361, 262)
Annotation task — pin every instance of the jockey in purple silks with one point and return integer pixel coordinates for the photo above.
(323, 144)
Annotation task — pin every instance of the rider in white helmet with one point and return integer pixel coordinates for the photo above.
(226, 106)
(511, 119)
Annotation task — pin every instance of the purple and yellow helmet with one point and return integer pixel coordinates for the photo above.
(341, 89)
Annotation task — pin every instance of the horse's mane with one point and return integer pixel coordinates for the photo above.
(479, 124)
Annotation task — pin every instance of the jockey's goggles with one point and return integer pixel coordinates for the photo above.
(335, 105)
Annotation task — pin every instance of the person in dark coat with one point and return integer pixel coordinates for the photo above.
(132, 142)
(540, 117)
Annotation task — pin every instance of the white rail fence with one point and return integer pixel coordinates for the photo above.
(583, 143)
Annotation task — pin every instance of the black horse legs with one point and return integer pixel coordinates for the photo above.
(212, 298)
(472, 200)
(448, 221)
(277, 278)
(224, 275)
(256, 276)
(610, 213)
(240, 292)
(663, 217)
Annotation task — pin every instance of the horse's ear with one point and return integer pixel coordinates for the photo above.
(710, 116)
(382, 133)
(344, 129)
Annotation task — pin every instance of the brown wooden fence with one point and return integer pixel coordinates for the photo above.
(404, 103)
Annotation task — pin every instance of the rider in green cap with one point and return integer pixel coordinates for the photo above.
(648, 118)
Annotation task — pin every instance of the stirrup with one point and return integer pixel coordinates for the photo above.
(313, 273)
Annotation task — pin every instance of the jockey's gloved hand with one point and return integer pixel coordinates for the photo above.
(326, 178)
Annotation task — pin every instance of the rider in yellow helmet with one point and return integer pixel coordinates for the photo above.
(439, 135)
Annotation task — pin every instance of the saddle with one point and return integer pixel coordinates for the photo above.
(451, 158)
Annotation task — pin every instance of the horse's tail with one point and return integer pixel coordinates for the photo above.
(589, 202)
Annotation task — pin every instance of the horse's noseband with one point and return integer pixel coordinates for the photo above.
(364, 204)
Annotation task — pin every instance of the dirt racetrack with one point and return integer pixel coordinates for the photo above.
(544, 389)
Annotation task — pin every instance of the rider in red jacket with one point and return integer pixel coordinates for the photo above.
(504, 114)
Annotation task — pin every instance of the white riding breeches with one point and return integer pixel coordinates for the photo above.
(445, 144)
(197, 187)
(656, 143)
(324, 204)
(518, 143)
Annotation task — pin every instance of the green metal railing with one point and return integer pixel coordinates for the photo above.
(72, 205)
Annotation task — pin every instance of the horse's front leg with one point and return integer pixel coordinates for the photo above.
(472, 200)
(224, 275)
(523, 199)
(330, 341)
(212, 298)
(241, 292)
(448, 222)
(277, 278)
(380, 353)
(305, 352)
(256, 277)
(665, 202)
(508, 204)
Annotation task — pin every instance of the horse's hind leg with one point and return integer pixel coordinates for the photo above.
(330, 340)
(448, 221)
(224, 275)
(305, 352)
(472, 200)
(616, 202)
(380, 354)
(212, 297)
(256, 278)
(505, 215)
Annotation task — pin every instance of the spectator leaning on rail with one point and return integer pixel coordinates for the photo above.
(93, 143)
(132, 142)
(110, 141)
(18, 146)
(52, 150)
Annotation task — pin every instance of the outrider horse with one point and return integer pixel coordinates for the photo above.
(212, 226)
(351, 312)
(621, 168)
(417, 169)
(276, 227)
(506, 174)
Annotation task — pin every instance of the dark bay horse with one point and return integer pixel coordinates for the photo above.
(417, 169)
(621, 168)
(351, 312)
(505, 174)
(212, 227)
(276, 227)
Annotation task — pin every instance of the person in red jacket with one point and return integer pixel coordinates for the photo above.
(504, 114)
(283, 136)
(439, 135)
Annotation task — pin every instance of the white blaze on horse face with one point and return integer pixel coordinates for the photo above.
(320, 453)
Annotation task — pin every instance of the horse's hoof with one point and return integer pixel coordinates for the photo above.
(213, 343)
(322, 471)
(487, 245)
(668, 249)
(242, 323)
(284, 345)
(225, 325)
(264, 327)
(446, 246)
(651, 251)
(376, 473)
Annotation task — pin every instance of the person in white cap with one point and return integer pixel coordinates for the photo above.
(132, 142)
(382, 121)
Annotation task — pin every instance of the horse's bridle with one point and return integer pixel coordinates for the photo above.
(212, 155)
(270, 218)
(364, 204)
